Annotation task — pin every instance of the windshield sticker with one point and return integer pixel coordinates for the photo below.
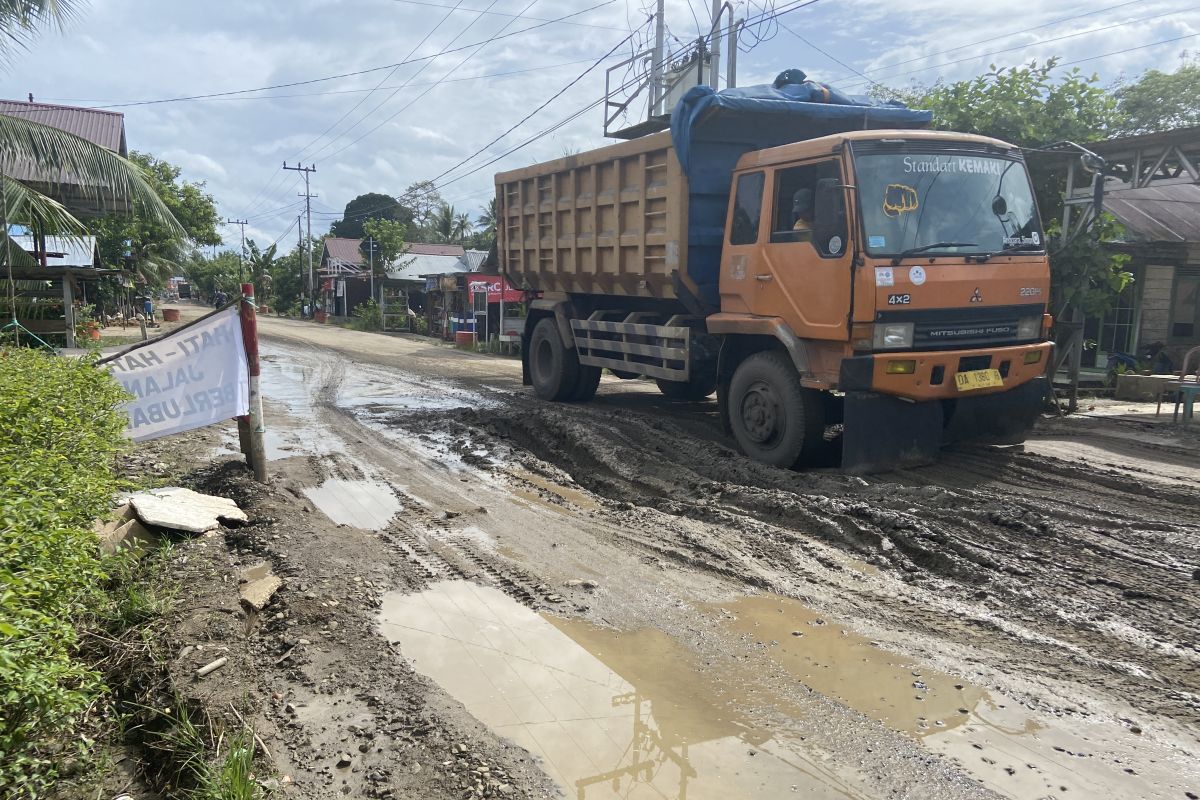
(884, 276)
(917, 275)
(877, 241)
(899, 199)
(1033, 240)
(973, 166)
(835, 244)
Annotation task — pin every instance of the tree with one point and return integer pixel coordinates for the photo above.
(156, 250)
(389, 242)
(1159, 101)
(462, 226)
(424, 200)
(288, 281)
(222, 272)
(487, 219)
(441, 225)
(369, 206)
(260, 262)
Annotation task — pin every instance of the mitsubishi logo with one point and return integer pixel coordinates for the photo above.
(976, 296)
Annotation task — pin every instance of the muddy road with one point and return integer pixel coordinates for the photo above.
(614, 589)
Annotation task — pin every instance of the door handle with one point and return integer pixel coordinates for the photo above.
(764, 278)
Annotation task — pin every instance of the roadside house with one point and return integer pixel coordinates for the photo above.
(1152, 187)
(55, 290)
(343, 276)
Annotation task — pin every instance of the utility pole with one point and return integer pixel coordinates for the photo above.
(300, 248)
(241, 253)
(656, 63)
(308, 196)
(715, 45)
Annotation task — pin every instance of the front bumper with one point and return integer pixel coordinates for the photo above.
(933, 376)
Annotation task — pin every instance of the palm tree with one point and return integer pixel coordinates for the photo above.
(99, 174)
(443, 222)
(487, 220)
(462, 226)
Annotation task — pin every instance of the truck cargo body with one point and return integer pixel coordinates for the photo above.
(807, 281)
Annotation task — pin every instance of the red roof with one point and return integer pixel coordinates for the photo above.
(343, 250)
(420, 249)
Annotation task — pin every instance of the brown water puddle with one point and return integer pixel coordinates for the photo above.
(611, 714)
(364, 504)
(841, 664)
(576, 497)
(634, 715)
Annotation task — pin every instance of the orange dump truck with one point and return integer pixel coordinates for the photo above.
(836, 274)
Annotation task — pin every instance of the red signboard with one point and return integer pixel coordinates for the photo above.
(494, 285)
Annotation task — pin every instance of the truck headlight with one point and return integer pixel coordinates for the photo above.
(893, 336)
(1029, 327)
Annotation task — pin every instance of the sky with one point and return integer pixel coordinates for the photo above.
(472, 76)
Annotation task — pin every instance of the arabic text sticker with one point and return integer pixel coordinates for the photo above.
(835, 244)
(917, 275)
(899, 198)
(884, 276)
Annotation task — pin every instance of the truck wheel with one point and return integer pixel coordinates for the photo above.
(553, 369)
(688, 390)
(589, 381)
(774, 419)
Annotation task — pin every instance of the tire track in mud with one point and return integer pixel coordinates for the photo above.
(1049, 563)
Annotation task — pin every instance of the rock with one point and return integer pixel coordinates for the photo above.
(182, 509)
(270, 784)
(591, 586)
(344, 760)
(571, 584)
(257, 594)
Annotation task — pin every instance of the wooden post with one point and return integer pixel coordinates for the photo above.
(68, 308)
(252, 442)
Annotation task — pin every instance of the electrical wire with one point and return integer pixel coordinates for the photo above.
(516, 16)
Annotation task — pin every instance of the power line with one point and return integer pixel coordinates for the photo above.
(828, 55)
(387, 99)
(993, 39)
(1026, 46)
(515, 16)
(339, 76)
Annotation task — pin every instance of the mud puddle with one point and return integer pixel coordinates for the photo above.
(610, 714)
(1007, 746)
(365, 504)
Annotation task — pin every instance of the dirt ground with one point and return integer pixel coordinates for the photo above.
(489, 595)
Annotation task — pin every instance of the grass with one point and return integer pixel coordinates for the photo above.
(211, 767)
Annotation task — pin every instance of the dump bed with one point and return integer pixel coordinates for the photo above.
(645, 218)
(608, 221)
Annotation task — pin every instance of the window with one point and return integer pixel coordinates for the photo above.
(1185, 307)
(747, 209)
(795, 209)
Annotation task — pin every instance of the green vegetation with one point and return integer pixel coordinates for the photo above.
(367, 317)
(371, 205)
(229, 776)
(1160, 101)
(60, 428)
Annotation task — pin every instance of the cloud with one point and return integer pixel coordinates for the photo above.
(153, 50)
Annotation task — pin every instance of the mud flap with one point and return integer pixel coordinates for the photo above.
(883, 433)
(1004, 418)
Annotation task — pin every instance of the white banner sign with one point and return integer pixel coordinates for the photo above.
(186, 380)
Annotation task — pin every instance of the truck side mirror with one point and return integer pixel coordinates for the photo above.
(829, 220)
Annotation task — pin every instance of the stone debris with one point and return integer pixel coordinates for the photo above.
(258, 586)
(124, 531)
(182, 509)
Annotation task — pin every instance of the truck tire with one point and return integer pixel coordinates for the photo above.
(553, 369)
(774, 419)
(688, 390)
(589, 381)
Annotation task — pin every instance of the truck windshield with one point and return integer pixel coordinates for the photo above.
(913, 200)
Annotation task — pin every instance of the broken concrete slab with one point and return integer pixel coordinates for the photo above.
(182, 509)
(258, 586)
(132, 535)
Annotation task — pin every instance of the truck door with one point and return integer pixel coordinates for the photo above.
(806, 282)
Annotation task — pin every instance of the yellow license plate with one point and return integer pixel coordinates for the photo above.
(978, 379)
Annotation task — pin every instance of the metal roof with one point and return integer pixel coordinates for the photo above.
(344, 250)
(474, 259)
(105, 128)
(1164, 213)
(416, 267)
(423, 249)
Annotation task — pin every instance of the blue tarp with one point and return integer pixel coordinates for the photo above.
(711, 130)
